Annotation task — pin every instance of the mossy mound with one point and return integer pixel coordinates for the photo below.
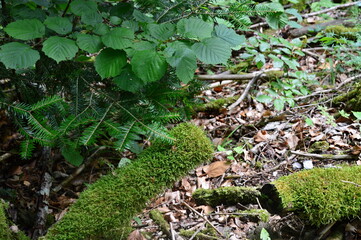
(104, 211)
(351, 99)
(342, 31)
(5, 232)
(322, 195)
(226, 196)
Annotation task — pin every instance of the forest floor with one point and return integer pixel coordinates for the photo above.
(255, 144)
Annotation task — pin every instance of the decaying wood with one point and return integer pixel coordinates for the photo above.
(5, 156)
(246, 91)
(325, 156)
(318, 27)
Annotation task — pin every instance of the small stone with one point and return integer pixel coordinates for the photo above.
(307, 164)
(296, 165)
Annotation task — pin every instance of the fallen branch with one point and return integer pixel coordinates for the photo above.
(248, 76)
(202, 216)
(325, 156)
(246, 91)
(5, 156)
(358, 185)
(311, 14)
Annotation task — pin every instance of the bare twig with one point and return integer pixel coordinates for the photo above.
(78, 170)
(66, 8)
(221, 83)
(348, 80)
(358, 185)
(248, 76)
(195, 233)
(246, 91)
(172, 231)
(5, 156)
(202, 216)
(311, 14)
(325, 156)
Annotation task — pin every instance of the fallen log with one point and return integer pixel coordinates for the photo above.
(105, 209)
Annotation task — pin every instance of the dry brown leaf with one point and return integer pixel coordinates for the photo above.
(136, 235)
(291, 140)
(217, 169)
(164, 209)
(205, 209)
(261, 136)
(203, 183)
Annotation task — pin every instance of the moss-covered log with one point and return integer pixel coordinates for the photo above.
(226, 196)
(350, 100)
(5, 232)
(321, 195)
(105, 209)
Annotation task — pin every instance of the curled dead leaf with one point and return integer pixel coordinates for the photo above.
(216, 169)
(136, 235)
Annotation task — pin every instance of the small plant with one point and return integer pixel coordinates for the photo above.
(264, 235)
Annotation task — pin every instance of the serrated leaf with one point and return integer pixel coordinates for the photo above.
(195, 28)
(72, 155)
(277, 62)
(229, 35)
(148, 65)
(18, 55)
(264, 99)
(110, 62)
(59, 24)
(25, 29)
(161, 31)
(91, 18)
(279, 104)
(212, 50)
(186, 64)
(101, 29)
(264, 46)
(128, 81)
(357, 115)
(291, 63)
(118, 38)
(59, 48)
(89, 43)
(80, 7)
(277, 21)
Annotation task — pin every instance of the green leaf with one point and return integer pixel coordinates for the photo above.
(212, 51)
(294, 24)
(162, 31)
(229, 35)
(195, 28)
(264, 99)
(25, 29)
(26, 148)
(309, 122)
(59, 24)
(277, 21)
(128, 81)
(264, 235)
(118, 38)
(72, 155)
(277, 62)
(89, 43)
(101, 29)
(295, 13)
(59, 48)
(292, 63)
(260, 60)
(80, 7)
(18, 55)
(141, 17)
(357, 115)
(91, 18)
(122, 10)
(186, 64)
(110, 62)
(264, 46)
(279, 104)
(148, 65)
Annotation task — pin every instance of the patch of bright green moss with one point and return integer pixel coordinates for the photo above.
(319, 146)
(253, 215)
(208, 233)
(226, 196)
(217, 104)
(342, 31)
(351, 100)
(104, 211)
(321, 195)
(5, 232)
(273, 75)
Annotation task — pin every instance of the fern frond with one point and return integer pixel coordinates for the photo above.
(26, 148)
(127, 136)
(46, 103)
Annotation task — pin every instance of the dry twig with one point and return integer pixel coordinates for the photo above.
(325, 156)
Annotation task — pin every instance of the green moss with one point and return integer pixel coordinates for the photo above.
(5, 232)
(240, 67)
(105, 209)
(216, 105)
(253, 215)
(320, 195)
(208, 233)
(319, 146)
(273, 75)
(350, 100)
(226, 196)
(342, 31)
(160, 221)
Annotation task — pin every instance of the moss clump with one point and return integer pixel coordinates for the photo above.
(5, 232)
(342, 31)
(216, 105)
(105, 209)
(321, 195)
(160, 221)
(319, 146)
(208, 233)
(273, 75)
(351, 99)
(240, 67)
(253, 215)
(226, 196)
